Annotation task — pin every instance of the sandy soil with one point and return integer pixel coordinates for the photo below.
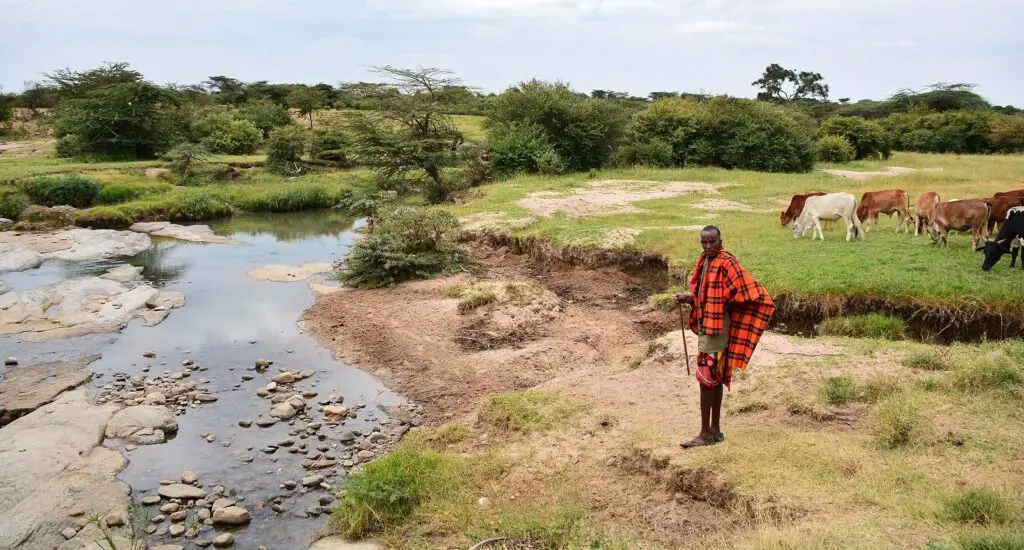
(608, 197)
(863, 175)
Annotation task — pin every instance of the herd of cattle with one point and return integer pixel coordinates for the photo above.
(930, 213)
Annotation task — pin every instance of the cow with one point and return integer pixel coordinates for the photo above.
(796, 206)
(1015, 192)
(889, 201)
(833, 206)
(1000, 206)
(1010, 239)
(961, 215)
(924, 209)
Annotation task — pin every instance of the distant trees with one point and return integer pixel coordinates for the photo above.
(307, 101)
(781, 84)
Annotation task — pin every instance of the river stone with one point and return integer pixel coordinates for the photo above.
(177, 530)
(231, 515)
(203, 514)
(365, 455)
(178, 516)
(283, 411)
(205, 398)
(336, 410)
(245, 423)
(123, 273)
(222, 503)
(170, 507)
(271, 386)
(114, 519)
(25, 390)
(262, 363)
(307, 373)
(297, 402)
(10, 361)
(189, 477)
(246, 458)
(182, 491)
(346, 436)
(192, 233)
(142, 424)
(149, 500)
(159, 518)
(6, 224)
(68, 533)
(223, 540)
(312, 481)
(14, 257)
(284, 378)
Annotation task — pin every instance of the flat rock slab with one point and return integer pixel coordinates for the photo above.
(52, 461)
(83, 306)
(24, 390)
(192, 233)
(73, 245)
(182, 491)
(142, 424)
(286, 273)
(338, 543)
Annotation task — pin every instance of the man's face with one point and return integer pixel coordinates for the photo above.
(711, 242)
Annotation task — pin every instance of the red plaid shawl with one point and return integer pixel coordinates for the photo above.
(750, 308)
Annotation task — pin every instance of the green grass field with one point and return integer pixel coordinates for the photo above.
(886, 265)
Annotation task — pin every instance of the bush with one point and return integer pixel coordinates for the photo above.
(198, 206)
(331, 144)
(726, 132)
(869, 138)
(69, 189)
(838, 390)
(517, 147)
(836, 149)
(583, 131)
(550, 163)
(235, 137)
(530, 411)
(186, 158)
(896, 422)
(265, 115)
(965, 132)
(410, 243)
(655, 153)
(289, 199)
(12, 203)
(979, 506)
(69, 145)
(874, 325)
(285, 148)
(1007, 134)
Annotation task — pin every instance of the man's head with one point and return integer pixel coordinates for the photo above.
(711, 241)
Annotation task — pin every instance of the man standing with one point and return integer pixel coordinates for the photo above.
(729, 312)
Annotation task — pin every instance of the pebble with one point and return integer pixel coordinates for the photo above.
(247, 377)
(278, 508)
(76, 511)
(262, 363)
(284, 378)
(246, 458)
(203, 514)
(170, 508)
(150, 529)
(189, 477)
(245, 423)
(188, 363)
(177, 530)
(149, 354)
(159, 518)
(223, 540)
(211, 438)
(307, 373)
(180, 515)
(326, 499)
(10, 362)
(202, 543)
(68, 533)
(289, 484)
(312, 481)
(231, 515)
(266, 422)
(114, 519)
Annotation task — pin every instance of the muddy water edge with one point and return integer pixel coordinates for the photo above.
(229, 322)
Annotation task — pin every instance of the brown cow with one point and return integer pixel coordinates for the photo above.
(1015, 192)
(924, 209)
(796, 206)
(960, 215)
(889, 201)
(1000, 206)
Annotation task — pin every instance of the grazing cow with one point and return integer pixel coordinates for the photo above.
(924, 209)
(796, 206)
(832, 207)
(889, 201)
(1010, 239)
(1015, 192)
(1001, 205)
(961, 215)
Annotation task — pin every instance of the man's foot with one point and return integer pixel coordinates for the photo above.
(699, 441)
(719, 437)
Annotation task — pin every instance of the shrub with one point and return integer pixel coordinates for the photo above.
(69, 189)
(550, 163)
(387, 490)
(726, 132)
(1007, 134)
(874, 325)
(869, 138)
(198, 205)
(653, 152)
(113, 194)
(946, 132)
(517, 147)
(896, 422)
(836, 149)
(186, 158)
(410, 243)
(979, 506)
(69, 145)
(285, 148)
(330, 144)
(235, 137)
(476, 164)
(838, 390)
(265, 115)
(12, 203)
(530, 411)
(925, 360)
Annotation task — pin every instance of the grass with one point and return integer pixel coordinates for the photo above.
(926, 360)
(874, 325)
(900, 268)
(980, 506)
(530, 411)
(896, 422)
(839, 390)
(471, 296)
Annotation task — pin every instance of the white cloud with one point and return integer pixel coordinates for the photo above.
(890, 44)
(714, 26)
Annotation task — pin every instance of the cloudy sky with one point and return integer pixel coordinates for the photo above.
(864, 48)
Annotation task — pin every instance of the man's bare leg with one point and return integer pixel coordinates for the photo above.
(707, 407)
(716, 411)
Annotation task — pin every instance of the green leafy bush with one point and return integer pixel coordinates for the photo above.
(726, 132)
(869, 138)
(946, 132)
(12, 203)
(836, 149)
(516, 147)
(187, 158)
(71, 189)
(1007, 134)
(653, 152)
(195, 205)
(550, 163)
(265, 115)
(285, 148)
(235, 137)
(874, 325)
(331, 144)
(410, 243)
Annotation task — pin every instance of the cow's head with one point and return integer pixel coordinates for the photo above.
(799, 228)
(935, 233)
(993, 251)
(785, 219)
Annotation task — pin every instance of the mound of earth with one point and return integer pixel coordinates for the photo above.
(609, 197)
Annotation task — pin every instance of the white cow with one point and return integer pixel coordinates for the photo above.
(830, 207)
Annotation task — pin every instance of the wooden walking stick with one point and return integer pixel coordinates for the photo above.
(682, 329)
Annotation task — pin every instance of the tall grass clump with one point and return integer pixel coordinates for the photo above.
(530, 411)
(990, 373)
(471, 296)
(289, 199)
(980, 506)
(880, 387)
(874, 325)
(409, 243)
(896, 422)
(12, 203)
(989, 541)
(69, 189)
(839, 390)
(925, 360)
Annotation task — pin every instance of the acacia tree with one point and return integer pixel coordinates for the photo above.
(307, 101)
(781, 84)
(410, 139)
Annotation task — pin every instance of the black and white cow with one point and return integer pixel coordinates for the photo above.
(1010, 239)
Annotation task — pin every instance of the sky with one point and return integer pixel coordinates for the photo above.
(863, 48)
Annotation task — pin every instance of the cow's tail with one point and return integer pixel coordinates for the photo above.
(988, 216)
(857, 230)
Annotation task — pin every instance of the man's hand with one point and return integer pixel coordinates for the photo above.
(684, 298)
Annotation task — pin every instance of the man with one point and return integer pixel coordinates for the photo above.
(729, 312)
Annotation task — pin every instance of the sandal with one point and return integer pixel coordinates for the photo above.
(698, 442)
(719, 437)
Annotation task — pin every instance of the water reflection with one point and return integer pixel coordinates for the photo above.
(289, 227)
